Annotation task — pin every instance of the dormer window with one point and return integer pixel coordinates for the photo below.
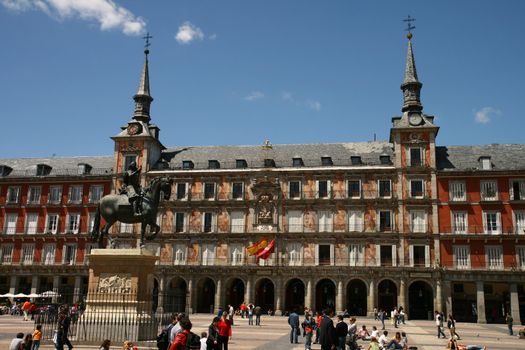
(213, 164)
(356, 160)
(269, 163)
(384, 159)
(241, 164)
(485, 163)
(187, 164)
(43, 169)
(326, 161)
(297, 162)
(84, 169)
(5, 170)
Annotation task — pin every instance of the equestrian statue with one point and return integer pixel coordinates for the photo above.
(132, 205)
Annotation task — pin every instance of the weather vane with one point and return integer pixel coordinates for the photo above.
(147, 37)
(409, 21)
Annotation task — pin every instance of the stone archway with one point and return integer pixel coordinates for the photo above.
(464, 301)
(264, 294)
(420, 301)
(356, 298)
(294, 299)
(325, 295)
(386, 295)
(175, 295)
(234, 293)
(497, 302)
(206, 295)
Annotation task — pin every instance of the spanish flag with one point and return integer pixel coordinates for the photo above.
(267, 251)
(257, 247)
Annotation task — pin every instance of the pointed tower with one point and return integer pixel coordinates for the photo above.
(411, 86)
(143, 97)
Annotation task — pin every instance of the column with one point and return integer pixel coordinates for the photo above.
(339, 298)
(278, 297)
(439, 295)
(34, 284)
(371, 301)
(308, 297)
(218, 296)
(12, 285)
(515, 303)
(76, 290)
(160, 300)
(56, 288)
(448, 297)
(480, 300)
(402, 297)
(189, 296)
(248, 291)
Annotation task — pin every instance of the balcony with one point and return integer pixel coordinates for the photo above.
(497, 230)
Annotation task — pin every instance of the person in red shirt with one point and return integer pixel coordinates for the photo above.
(225, 332)
(25, 308)
(179, 343)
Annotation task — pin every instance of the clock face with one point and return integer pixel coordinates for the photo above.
(415, 119)
(133, 129)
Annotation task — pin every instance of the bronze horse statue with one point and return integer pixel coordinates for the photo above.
(116, 207)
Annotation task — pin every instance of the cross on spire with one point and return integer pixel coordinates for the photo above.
(409, 21)
(147, 44)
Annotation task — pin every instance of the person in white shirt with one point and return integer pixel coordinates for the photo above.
(176, 329)
(375, 333)
(383, 339)
(204, 339)
(15, 343)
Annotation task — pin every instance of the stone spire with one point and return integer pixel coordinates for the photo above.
(143, 98)
(411, 86)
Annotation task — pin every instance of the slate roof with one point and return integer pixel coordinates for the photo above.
(282, 154)
(60, 166)
(461, 158)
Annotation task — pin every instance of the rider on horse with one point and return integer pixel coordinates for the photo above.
(132, 187)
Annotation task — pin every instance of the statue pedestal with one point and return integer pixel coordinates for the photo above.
(119, 304)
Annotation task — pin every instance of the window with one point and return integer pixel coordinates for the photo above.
(208, 254)
(208, 222)
(385, 190)
(269, 163)
(128, 159)
(73, 223)
(31, 223)
(461, 257)
(520, 257)
(5, 170)
(354, 189)
(241, 163)
(52, 223)
(28, 252)
(297, 162)
(416, 157)
(356, 254)
(75, 194)
(42, 170)
(325, 254)
(420, 255)
(126, 228)
(10, 223)
(69, 253)
(209, 190)
(83, 169)
(356, 160)
(95, 193)
(214, 164)
(494, 257)
(13, 192)
(485, 163)
(491, 222)
(187, 165)
(355, 221)
(517, 190)
(416, 189)
(489, 190)
(459, 222)
(180, 219)
(237, 221)
(55, 195)
(238, 190)
(182, 191)
(417, 221)
(323, 189)
(385, 160)
(91, 222)
(385, 220)
(295, 254)
(48, 255)
(519, 221)
(387, 255)
(33, 195)
(179, 254)
(324, 218)
(236, 254)
(457, 191)
(326, 161)
(295, 221)
(294, 189)
(7, 254)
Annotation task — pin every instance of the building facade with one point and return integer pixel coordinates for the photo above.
(357, 226)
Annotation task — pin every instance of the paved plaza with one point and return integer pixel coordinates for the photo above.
(274, 334)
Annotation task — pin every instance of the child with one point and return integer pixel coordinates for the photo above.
(204, 339)
(37, 335)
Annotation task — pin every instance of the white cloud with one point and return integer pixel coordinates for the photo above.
(106, 12)
(255, 95)
(188, 32)
(315, 105)
(485, 114)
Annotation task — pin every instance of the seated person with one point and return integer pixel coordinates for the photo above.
(363, 333)
(395, 343)
(383, 339)
(374, 333)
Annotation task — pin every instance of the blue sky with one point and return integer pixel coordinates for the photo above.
(237, 71)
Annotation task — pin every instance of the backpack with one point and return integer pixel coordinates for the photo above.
(193, 341)
(163, 339)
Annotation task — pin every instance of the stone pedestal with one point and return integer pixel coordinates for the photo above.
(119, 304)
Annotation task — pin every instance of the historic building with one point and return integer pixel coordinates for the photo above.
(357, 225)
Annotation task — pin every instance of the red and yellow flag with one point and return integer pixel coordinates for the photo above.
(257, 247)
(267, 251)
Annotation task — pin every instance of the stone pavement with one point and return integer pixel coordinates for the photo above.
(274, 334)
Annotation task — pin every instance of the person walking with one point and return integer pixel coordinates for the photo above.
(212, 343)
(26, 306)
(439, 325)
(179, 343)
(293, 321)
(451, 325)
(382, 316)
(309, 326)
(318, 319)
(258, 313)
(327, 337)
(250, 315)
(509, 321)
(37, 335)
(225, 332)
(341, 330)
(64, 322)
